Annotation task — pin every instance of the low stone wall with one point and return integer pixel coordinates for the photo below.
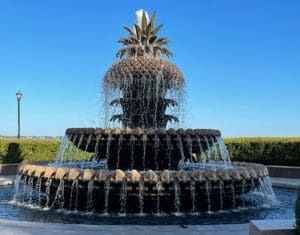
(8, 169)
(284, 171)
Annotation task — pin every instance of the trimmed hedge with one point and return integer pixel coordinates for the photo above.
(265, 150)
(15, 151)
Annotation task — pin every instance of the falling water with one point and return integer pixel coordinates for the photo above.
(158, 187)
(141, 196)
(74, 187)
(177, 196)
(62, 148)
(123, 197)
(147, 89)
(59, 196)
(208, 149)
(98, 137)
(48, 189)
(106, 195)
(30, 184)
(208, 192)
(85, 150)
(243, 191)
(180, 146)
(17, 188)
(202, 154)
(169, 150)
(24, 188)
(89, 206)
(108, 146)
(224, 152)
(38, 187)
(265, 186)
(69, 151)
(252, 184)
(233, 194)
(156, 149)
(78, 147)
(214, 150)
(190, 146)
(221, 188)
(132, 150)
(144, 149)
(193, 196)
(120, 141)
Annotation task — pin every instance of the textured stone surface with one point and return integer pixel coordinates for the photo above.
(284, 171)
(133, 176)
(88, 174)
(8, 169)
(9, 227)
(150, 176)
(140, 132)
(120, 176)
(272, 227)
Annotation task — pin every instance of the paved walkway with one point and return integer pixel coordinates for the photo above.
(8, 227)
(7, 179)
(285, 182)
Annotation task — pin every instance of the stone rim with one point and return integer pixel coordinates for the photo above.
(140, 132)
(248, 171)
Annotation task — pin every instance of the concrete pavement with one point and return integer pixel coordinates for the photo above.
(8, 227)
(7, 179)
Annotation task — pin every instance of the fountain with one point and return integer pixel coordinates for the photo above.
(142, 167)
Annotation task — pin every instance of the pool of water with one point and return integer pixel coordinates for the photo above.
(282, 209)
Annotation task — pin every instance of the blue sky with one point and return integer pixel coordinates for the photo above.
(240, 59)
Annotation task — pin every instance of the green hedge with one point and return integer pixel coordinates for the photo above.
(265, 150)
(14, 150)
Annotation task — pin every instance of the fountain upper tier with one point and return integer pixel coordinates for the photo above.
(137, 67)
(145, 149)
(146, 86)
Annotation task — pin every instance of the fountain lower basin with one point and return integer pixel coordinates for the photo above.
(135, 191)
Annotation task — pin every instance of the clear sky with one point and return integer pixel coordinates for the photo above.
(240, 59)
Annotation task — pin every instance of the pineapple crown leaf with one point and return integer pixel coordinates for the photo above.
(143, 39)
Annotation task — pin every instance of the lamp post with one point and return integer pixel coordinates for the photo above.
(19, 96)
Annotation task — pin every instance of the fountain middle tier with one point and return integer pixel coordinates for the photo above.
(138, 191)
(156, 149)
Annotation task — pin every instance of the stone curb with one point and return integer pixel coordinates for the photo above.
(272, 227)
(7, 180)
(8, 169)
(284, 171)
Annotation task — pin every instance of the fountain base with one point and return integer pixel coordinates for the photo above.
(139, 191)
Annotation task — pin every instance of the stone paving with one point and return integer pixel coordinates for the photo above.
(7, 179)
(8, 227)
(286, 183)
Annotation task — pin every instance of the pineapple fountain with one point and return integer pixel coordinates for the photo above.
(142, 167)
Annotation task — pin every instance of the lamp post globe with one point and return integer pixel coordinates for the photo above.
(19, 97)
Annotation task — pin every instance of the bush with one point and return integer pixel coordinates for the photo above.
(15, 151)
(269, 151)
